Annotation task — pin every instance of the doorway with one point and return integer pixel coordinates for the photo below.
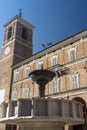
(81, 126)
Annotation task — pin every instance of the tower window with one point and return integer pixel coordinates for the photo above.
(9, 33)
(24, 33)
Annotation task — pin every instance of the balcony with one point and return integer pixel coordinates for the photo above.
(41, 109)
(60, 70)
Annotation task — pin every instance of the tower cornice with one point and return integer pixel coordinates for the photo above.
(19, 19)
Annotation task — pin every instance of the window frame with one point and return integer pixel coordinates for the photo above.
(54, 60)
(15, 94)
(40, 65)
(75, 83)
(54, 88)
(26, 92)
(72, 56)
(26, 73)
(16, 76)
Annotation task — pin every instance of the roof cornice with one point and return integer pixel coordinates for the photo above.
(20, 19)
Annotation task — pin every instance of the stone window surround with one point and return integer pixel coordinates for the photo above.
(75, 78)
(40, 64)
(71, 58)
(54, 59)
(27, 69)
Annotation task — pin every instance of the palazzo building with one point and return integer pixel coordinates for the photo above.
(67, 58)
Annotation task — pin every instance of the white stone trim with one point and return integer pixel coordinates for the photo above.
(76, 62)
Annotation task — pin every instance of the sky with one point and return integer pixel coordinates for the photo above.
(54, 20)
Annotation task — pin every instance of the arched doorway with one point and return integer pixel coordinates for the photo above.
(81, 126)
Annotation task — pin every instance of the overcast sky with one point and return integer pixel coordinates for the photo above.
(54, 20)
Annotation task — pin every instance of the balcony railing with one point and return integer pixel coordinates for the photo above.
(59, 69)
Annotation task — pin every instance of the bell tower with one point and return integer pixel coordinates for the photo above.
(17, 46)
(18, 39)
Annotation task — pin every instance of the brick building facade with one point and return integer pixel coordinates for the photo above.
(67, 58)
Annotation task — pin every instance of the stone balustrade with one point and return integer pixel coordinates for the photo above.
(49, 108)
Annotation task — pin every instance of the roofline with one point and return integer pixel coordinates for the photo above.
(19, 18)
(54, 47)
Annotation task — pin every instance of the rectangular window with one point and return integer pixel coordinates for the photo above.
(15, 94)
(54, 85)
(16, 76)
(54, 60)
(40, 65)
(27, 71)
(72, 54)
(75, 81)
(26, 92)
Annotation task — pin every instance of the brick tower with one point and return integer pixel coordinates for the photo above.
(17, 46)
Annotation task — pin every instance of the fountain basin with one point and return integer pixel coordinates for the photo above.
(42, 114)
(42, 76)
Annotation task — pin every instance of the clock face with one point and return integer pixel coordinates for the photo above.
(7, 50)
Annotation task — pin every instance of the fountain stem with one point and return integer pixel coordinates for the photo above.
(41, 90)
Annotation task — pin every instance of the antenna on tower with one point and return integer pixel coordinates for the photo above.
(20, 12)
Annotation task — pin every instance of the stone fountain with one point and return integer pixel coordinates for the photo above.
(41, 113)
